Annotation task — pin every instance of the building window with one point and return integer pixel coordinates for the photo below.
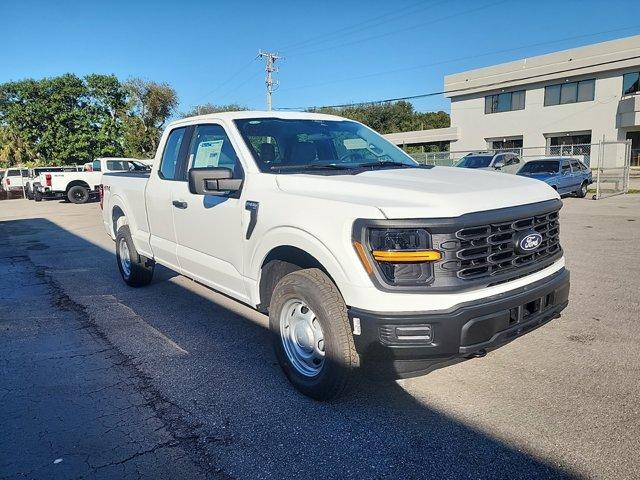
(631, 83)
(572, 92)
(504, 102)
(512, 144)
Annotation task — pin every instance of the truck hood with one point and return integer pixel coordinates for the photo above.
(418, 193)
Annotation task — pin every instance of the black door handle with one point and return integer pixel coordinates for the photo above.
(179, 204)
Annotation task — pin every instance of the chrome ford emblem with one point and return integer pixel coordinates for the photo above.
(529, 242)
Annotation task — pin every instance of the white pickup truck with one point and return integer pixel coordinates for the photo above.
(79, 187)
(361, 257)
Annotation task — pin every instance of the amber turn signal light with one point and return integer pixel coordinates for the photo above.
(402, 256)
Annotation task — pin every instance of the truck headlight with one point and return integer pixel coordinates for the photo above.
(399, 256)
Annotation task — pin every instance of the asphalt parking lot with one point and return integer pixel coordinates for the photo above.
(98, 380)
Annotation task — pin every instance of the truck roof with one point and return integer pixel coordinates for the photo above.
(257, 114)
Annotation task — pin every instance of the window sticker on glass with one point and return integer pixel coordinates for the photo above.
(208, 154)
(355, 143)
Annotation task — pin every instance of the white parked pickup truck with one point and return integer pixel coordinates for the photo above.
(79, 187)
(361, 257)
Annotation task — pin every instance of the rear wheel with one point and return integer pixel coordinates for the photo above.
(582, 191)
(28, 192)
(312, 335)
(37, 196)
(78, 194)
(136, 269)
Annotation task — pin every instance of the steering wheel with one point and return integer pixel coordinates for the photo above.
(356, 156)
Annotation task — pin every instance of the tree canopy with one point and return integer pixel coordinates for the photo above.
(391, 117)
(69, 119)
(207, 108)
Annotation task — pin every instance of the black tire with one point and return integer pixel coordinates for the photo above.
(140, 271)
(78, 194)
(315, 289)
(582, 191)
(28, 192)
(37, 196)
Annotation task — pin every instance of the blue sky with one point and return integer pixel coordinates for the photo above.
(335, 51)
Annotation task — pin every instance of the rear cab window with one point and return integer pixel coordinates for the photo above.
(171, 154)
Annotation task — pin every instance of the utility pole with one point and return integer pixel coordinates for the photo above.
(269, 68)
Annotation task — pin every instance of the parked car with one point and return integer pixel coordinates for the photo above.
(79, 187)
(13, 181)
(32, 181)
(507, 162)
(567, 175)
(359, 255)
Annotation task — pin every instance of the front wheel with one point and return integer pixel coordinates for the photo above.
(312, 335)
(582, 191)
(78, 194)
(136, 269)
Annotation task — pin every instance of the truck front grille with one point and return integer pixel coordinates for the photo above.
(488, 250)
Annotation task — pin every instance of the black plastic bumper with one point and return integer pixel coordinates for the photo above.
(400, 345)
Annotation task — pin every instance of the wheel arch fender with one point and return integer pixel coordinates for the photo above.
(77, 183)
(119, 215)
(288, 240)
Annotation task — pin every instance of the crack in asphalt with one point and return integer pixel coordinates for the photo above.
(173, 418)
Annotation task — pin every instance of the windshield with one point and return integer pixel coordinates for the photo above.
(475, 161)
(541, 167)
(282, 144)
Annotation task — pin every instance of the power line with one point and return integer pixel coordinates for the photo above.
(458, 90)
(362, 25)
(228, 80)
(393, 32)
(443, 62)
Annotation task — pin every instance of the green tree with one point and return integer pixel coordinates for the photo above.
(64, 119)
(207, 108)
(150, 106)
(14, 150)
(391, 117)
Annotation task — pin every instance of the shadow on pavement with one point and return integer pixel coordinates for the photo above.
(213, 361)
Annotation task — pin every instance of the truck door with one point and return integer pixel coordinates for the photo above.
(159, 196)
(209, 227)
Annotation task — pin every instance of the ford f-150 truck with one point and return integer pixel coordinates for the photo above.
(361, 257)
(79, 187)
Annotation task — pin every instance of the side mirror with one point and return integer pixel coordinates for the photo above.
(498, 165)
(213, 181)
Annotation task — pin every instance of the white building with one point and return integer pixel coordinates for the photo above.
(576, 96)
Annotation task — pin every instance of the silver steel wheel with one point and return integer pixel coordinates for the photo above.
(125, 257)
(302, 337)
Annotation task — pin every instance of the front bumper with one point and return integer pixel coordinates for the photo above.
(405, 345)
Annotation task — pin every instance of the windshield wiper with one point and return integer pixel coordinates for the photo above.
(310, 166)
(386, 163)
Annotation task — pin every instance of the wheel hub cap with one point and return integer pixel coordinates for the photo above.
(125, 258)
(302, 338)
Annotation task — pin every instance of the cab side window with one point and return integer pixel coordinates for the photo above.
(211, 147)
(566, 168)
(171, 154)
(95, 166)
(512, 160)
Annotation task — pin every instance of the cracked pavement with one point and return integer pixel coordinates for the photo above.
(176, 381)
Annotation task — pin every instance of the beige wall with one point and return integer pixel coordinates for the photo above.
(536, 120)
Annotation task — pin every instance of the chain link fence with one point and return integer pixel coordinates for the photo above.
(611, 173)
(610, 162)
(583, 152)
